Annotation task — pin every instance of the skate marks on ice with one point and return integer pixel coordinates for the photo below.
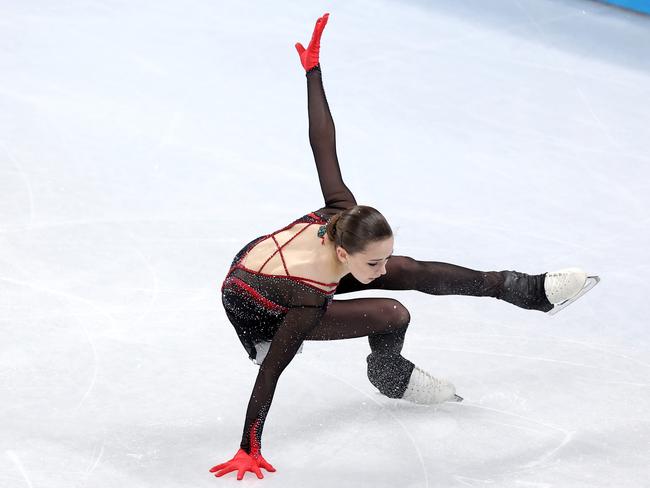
(567, 435)
(384, 408)
(527, 396)
(608, 368)
(565, 67)
(25, 178)
(519, 356)
(593, 346)
(68, 297)
(511, 454)
(73, 316)
(19, 466)
(39, 277)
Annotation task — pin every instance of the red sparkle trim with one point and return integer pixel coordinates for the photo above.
(257, 296)
(298, 279)
(255, 446)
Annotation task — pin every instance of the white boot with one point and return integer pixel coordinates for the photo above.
(424, 388)
(564, 284)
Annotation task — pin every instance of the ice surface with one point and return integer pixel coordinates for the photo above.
(143, 143)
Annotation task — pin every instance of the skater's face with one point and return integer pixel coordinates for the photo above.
(369, 264)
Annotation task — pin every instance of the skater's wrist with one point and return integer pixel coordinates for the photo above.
(314, 69)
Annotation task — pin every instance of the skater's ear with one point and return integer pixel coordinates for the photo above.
(342, 254)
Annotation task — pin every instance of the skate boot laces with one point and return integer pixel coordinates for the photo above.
(427, 389)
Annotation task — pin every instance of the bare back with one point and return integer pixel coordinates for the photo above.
(304, 255)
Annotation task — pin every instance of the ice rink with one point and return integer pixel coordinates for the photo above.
(143, 143)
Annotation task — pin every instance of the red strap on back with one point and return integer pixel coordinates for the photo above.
(304, 281)
(280, 247)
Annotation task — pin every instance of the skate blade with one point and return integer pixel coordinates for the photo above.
(589, 284)
(457, 398)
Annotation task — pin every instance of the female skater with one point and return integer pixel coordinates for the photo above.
(278, 291)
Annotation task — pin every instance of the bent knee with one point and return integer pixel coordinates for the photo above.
(396, 314)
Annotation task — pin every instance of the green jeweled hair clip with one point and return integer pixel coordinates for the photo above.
(322, 230)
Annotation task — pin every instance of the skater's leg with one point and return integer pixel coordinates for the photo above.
(436, 278)
(384, 321)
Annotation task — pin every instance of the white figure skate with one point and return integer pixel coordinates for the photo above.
(565, 286)
(425, 389)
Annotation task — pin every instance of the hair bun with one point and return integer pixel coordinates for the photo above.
(359, 225)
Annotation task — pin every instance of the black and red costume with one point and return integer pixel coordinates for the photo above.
(285, 310)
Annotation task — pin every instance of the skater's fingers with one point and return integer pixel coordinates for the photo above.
(318, 29)
(240, 474)
(263, 463)
(323, 23)
(258, 472)
(226, 471)
(316, 34)
(267, 466)
(217, 467)
(300, 48)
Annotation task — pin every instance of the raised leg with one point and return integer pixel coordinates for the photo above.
(436, 278)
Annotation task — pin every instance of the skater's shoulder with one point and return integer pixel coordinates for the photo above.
(327, 213)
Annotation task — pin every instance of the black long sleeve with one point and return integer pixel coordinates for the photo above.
(297, 323)
(322, 139)
(305, 312)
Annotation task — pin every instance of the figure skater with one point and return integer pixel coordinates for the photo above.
(279, 290)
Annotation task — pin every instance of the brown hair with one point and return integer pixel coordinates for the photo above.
(354, 228)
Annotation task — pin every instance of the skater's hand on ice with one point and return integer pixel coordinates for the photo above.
(262, 463)
(309, 56)
(241, 463)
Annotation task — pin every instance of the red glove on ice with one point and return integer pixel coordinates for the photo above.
(243, 462)
(309, 56)
(262, 463)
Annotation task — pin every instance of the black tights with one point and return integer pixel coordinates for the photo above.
(385, 320)
(376, 317)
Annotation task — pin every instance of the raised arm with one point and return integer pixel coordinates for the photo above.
(322, 135)
(297, 323)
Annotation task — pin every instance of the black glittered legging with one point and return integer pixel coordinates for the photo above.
(385, 320)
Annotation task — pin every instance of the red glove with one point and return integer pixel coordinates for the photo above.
(262, 463)
(243, 462)
(309, 56)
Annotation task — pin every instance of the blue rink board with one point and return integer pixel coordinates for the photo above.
(638, 5)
